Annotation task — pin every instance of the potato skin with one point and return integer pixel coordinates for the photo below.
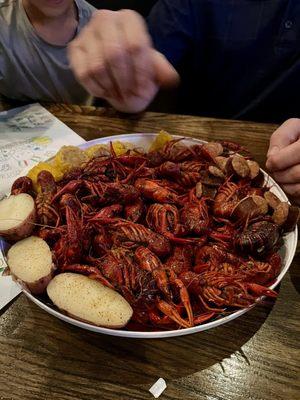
(36, 288)
(21, 231)
(39, 286)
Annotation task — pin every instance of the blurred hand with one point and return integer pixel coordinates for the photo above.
(283, 158)
(113, 59)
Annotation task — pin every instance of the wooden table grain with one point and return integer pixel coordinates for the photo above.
(254, 357)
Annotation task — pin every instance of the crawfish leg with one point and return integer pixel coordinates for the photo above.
(260, 290)
(185, 298)
(161, 279)
(204, 317)
(170, 311)
(156, 319)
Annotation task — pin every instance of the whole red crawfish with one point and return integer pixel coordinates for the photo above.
(194, 215)
(181, 260)
(186, 174)
(154, 191)
(263, 272)
(22, 185)
(165, 219)
(47, 212)
(150, 262)
(176, 151)
(217, 291)
(226, 199)
(258, 239)
(134, 211)
(99, 193)
(74, 242)
(129, 234)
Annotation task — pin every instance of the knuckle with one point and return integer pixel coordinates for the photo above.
(296, 173)
(101, 15)
(134, 47)
(82, 75)
(125, 13)
(293, 122)
(114, 53)
(96, 68)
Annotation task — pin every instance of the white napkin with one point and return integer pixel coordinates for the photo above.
(28, 135)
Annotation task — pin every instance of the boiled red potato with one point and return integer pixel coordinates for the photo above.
(17, 216)
(30, 261)
(89, 301)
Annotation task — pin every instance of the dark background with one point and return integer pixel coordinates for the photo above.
(142, 6)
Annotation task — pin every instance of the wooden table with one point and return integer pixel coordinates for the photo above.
(254, 357)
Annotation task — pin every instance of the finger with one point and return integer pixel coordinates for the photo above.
(285, 158)
(292, 190)
(82, 70)
(138, 45)
(290, 175)
(98, 69)
(166, 74)
(286, 134)
(116, 57)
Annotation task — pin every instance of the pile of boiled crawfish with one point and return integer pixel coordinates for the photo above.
(185, 233)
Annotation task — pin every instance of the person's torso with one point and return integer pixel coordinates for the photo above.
(30, 68)
(242, 59)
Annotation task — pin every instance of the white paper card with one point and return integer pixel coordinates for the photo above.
(158, 388)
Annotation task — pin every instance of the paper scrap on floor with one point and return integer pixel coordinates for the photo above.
(158, 388)
(28, 135)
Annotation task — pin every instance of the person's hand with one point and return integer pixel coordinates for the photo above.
(113, 59)
(283, 158)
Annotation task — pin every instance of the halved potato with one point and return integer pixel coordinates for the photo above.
(17, 216)
(89, 301)
(30, 261)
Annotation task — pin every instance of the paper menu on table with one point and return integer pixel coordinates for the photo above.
(28, 135)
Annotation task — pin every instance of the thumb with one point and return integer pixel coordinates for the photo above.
(285, 135)
(166, 74)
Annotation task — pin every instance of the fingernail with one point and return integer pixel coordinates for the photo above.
(273, 151)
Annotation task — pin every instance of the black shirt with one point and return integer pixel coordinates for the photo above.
(236, 58)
